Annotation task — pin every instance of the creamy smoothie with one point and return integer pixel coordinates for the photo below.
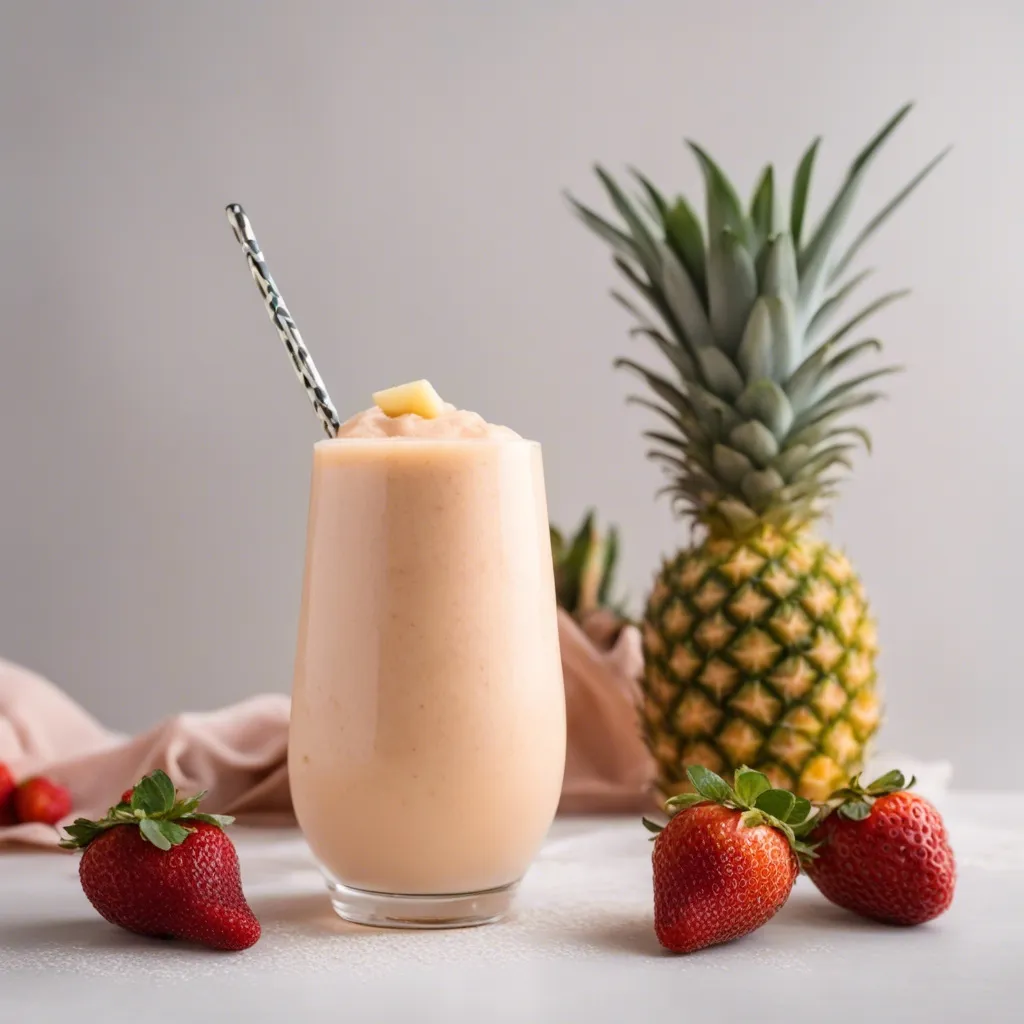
(428, 721)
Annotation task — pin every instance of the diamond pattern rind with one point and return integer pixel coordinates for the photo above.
(760, 651)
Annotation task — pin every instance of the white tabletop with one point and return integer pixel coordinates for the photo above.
(580, 947)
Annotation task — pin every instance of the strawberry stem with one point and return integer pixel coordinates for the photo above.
(754, 795)
(155, 808)
(854, 801)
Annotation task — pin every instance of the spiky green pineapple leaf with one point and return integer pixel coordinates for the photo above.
(719, 373)
(724, 209)
(824, 415)
(762, 206)
(812, 462)
(853, 383)
(829, 307)
(841, 357)
(641, 236)
(790, 461)
(737, 515)
(686, 424)
(569, 569)
(756, 441)
(812, 468)
(684, 302)
(812, 261)
(731, 465)
(619, 240)
(759, 487)
(609, 562)
(764, 400)
(557, 542)
(779, 276)
(819, 433)
(801, 190)
(656, 201)
(883, 215)
(732, 289)
(685, 237)
(645, 288)
(671, 350)
(869, 310)
(821, 365)
(755, 357)
(664, 389)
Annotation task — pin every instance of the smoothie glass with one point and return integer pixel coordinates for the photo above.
(427, 739)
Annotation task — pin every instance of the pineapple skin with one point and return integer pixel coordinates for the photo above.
(760, 651)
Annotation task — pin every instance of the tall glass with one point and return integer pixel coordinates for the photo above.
(427, 740)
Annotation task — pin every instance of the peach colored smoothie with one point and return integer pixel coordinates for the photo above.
(428, 721)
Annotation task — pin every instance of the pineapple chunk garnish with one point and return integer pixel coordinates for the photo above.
(417, 397)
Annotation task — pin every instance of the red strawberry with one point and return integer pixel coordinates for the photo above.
(41, 799)
(161, 867)
(7, 787)
(726, 861)
(883, 853)
(126, 796)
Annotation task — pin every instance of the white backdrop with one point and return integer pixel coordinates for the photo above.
(403, 165)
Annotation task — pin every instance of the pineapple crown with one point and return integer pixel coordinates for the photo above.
(584, 566)
(760, 380)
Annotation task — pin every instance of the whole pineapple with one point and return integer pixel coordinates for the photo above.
(759, 645)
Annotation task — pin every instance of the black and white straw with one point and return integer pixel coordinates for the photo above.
(302, 361)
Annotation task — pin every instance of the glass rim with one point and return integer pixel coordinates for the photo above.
(512, 442)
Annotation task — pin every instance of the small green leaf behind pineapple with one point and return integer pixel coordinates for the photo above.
(585, 564)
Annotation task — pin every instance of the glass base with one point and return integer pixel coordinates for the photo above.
(391, 910)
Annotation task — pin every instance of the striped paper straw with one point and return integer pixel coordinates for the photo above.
(302, 361)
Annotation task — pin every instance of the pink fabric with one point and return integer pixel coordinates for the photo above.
(238, 754)
(607, 766)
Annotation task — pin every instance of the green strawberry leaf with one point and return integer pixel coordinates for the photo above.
(182, 808)
(805, 851)
(80, 833)
(855, 810)
(220, 820)
(150, 829)
(652, 826)
(890, 782)
(709, 785)
(683, 801)
(751, 819)
(750, 785)
(776, 802)
(163, 834)
(786, 831)
(800, 812)
(153, 794)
